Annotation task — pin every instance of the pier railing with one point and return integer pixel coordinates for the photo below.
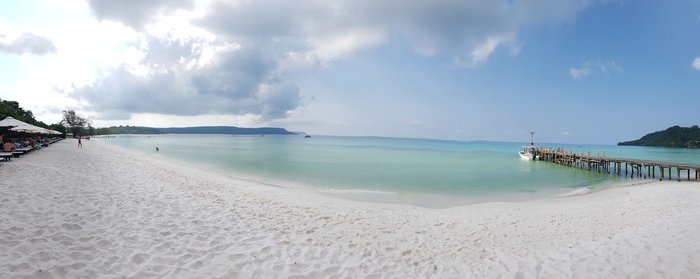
(632, 167)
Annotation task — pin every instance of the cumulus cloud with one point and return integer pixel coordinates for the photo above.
(470, 30)
(247, 54)
(27, 43)
(135, 13)
(237, 81)
(606, 68)
(473, 29)
(696, 63)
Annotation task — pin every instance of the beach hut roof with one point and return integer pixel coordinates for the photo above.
(11, 122)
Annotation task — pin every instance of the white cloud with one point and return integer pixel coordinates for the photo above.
(26, 43)
(609, 67)
(331, 30)
(515, 49)
(83, 47)
(136, 13)
(482, 52)
(579, 73)
(330, 48)
(606, 68)
(696, 63)
(18, 40)
(192, 57)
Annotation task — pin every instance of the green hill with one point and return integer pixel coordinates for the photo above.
(226, 130)
(125, 130)
(672, 137)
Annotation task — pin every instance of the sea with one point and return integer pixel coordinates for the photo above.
(421, 172)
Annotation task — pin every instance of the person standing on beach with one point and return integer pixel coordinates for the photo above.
(80, 143)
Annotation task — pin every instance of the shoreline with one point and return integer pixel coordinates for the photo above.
(102, 211)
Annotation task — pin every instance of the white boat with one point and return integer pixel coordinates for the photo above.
(527, 153)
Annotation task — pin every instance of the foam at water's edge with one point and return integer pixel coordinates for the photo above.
(354, 191)
(577, 192)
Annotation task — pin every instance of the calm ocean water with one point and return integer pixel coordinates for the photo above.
(471, 170)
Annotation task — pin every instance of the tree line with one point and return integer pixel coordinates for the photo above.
(676, 136)
(80, 126)
(71, 122)
(14, 110)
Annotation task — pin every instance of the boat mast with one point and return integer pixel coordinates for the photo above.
(532, 138)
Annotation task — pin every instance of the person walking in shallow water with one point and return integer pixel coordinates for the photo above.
(80, 142)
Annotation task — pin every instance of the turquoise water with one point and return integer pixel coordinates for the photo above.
(404, 166)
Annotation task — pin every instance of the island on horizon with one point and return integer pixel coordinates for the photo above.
(226, 130)
(676, 136)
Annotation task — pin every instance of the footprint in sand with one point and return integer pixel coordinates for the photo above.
(16, 229)
(236, 257)
(139, 258)
(71, 227)
(19, 267)
(196, 265)
(38, 240)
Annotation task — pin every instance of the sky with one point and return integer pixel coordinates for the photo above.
(573, 71)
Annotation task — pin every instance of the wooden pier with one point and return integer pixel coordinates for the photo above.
(646, 169)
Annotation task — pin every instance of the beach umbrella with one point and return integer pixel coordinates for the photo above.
(11, 122)
(28, 129)
(21, 129)
(24, 127)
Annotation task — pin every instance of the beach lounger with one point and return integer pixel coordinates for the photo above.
(6, 155)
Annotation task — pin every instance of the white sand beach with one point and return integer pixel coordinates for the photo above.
(102, 211)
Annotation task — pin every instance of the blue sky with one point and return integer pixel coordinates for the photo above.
(573, 71)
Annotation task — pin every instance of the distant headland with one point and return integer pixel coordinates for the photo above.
(228, 130)
(676, 136)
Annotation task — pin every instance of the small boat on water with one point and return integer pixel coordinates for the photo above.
(528, 152)
(307, 136)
